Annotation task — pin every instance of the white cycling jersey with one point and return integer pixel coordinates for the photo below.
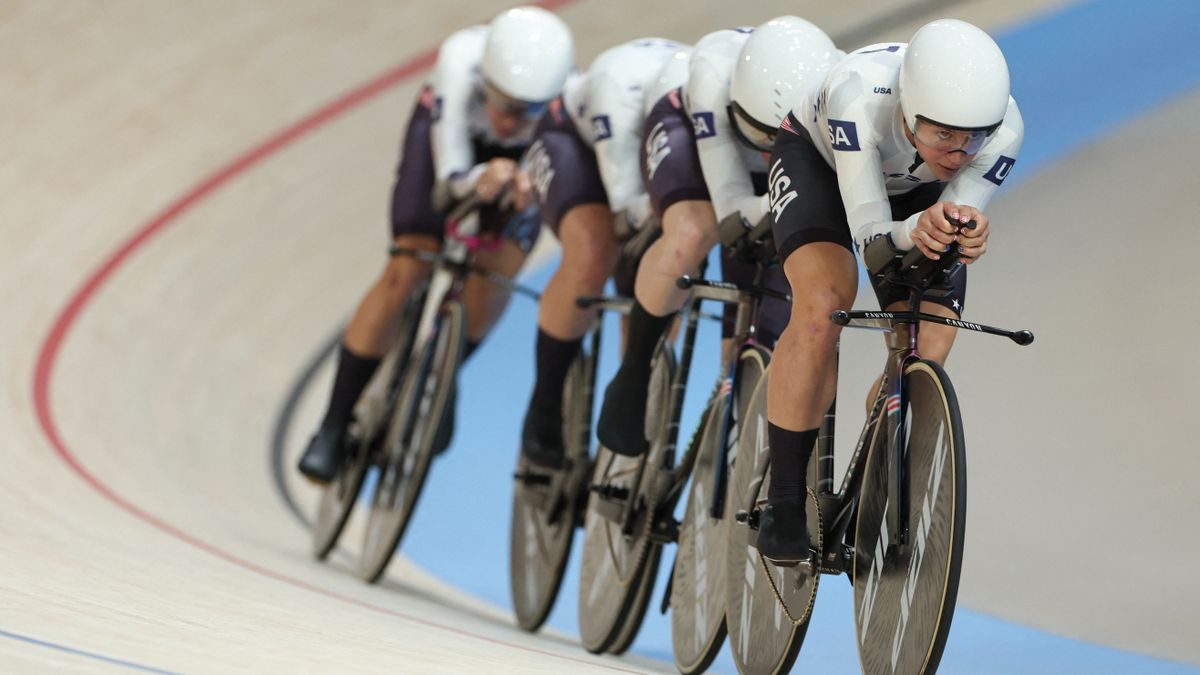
(856, 123)
(459, 116)
(727, 163)
(606, 105)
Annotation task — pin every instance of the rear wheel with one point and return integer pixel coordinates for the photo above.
(613, 560)
(407, 449)
(904, 600)
(698, 586)
(545, 505)
(767, 606)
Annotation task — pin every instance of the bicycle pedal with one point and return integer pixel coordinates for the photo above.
(613, 492)
(532, 478)
(749, 518)
(665, 531)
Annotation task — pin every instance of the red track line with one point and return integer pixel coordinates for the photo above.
(53, 342)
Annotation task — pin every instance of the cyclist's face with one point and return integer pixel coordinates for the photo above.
(508, 116)
(946, 151)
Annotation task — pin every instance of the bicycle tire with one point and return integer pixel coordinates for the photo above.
(407, 452)
(767, 607)
(611, 569)
(374, 406)
(698, 588)
(641, 603)
(544, 516)
(903, 604)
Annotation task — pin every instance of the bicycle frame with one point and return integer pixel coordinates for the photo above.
(911, 272)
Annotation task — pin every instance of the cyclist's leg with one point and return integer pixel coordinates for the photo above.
(573, 202)
(484, 300)
(414, 224)
(677, 190)
(814, 244)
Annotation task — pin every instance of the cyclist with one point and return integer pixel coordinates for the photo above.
(490, 86)
(704, 160)
(904, 141)
(583, 166)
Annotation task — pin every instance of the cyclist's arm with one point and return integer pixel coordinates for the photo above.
(616, 126)
(721, 160)
(454, 84)
(978, 182)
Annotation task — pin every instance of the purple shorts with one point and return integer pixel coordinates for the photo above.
(412, 194)
(670, 164)
(563, 167)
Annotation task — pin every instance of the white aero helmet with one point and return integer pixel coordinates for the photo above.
(954, 75)
(784, 59)
(528, 54)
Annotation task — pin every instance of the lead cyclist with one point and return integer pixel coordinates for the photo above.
(904, 141)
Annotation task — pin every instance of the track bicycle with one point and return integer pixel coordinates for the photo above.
(896, 524)
(404, 413)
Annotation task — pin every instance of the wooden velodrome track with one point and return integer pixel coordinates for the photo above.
(193, 195)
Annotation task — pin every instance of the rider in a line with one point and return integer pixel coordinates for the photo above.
(905, 141)
(584, 168)
(705, 160)
(490, 87)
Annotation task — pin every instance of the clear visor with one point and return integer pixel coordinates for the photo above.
(514, 107)
(749, 132)
(945, 139)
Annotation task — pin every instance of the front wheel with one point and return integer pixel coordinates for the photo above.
(698, 586)
(546, 505)
(611, 573)
(904, 599)
(371, 415)
(407, 450)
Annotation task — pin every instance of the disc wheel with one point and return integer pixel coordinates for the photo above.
(904, 600)
(545, 506)
(407, 450)
(767, 606)
(698, 587)
(611, 570)
(373, 410)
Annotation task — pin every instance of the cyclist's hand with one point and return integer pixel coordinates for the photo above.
(972, 243)
(935, 231)
(522, 194)
(494, 179)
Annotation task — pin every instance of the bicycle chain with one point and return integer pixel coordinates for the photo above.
(812, 598)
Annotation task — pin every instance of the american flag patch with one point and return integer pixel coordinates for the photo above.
(788, 126)
(893, 404)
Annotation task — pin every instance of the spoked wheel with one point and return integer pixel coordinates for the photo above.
(408, 446)
(371, 414)
(698, 587)
(904, 600)
(767, 606)
(613, 559)
(546, 505)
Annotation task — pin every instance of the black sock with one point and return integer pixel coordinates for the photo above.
(645, 329)
(790, 451)
(554, 358)
(353, 373)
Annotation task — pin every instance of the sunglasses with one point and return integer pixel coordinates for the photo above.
(947, 139)
(513, 107)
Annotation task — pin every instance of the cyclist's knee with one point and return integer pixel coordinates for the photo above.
(689, 242)
(809, 321)
(935, 341)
